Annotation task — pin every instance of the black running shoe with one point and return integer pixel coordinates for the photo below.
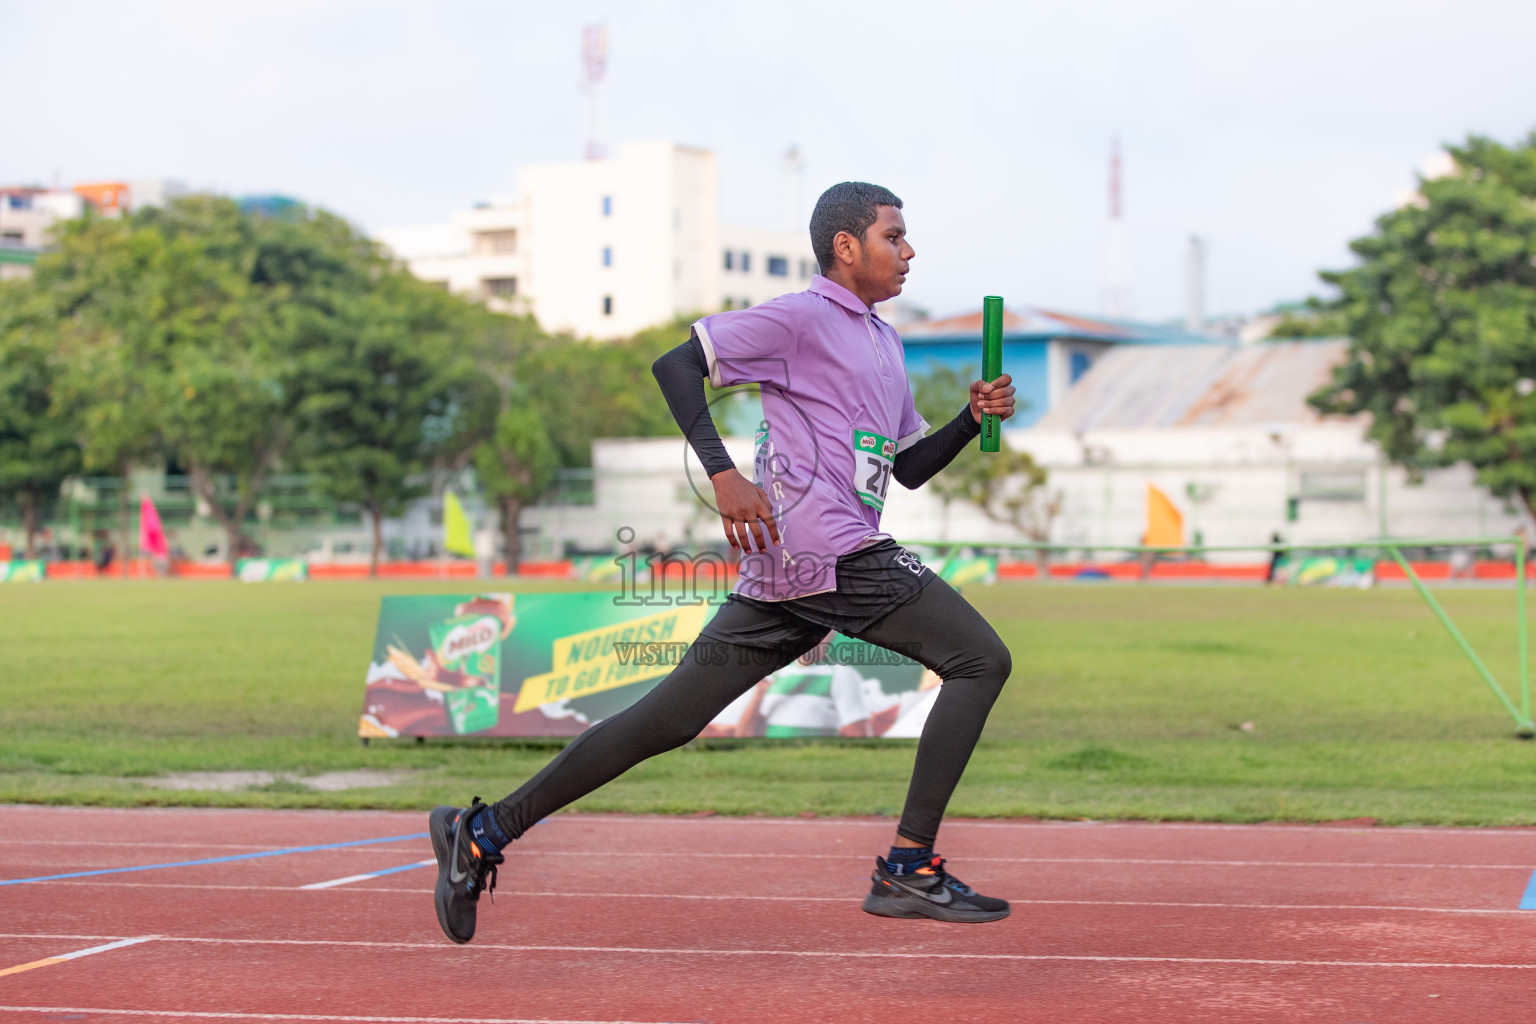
(930, 891)
(462, 869)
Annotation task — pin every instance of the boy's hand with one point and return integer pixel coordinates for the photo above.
(745, 511)
(994, 399)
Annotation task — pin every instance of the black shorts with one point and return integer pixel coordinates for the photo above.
(871, 583)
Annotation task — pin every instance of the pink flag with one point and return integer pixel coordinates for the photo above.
(151, 536)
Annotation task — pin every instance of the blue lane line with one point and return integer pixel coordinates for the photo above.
(213, 860)
(1529, 902)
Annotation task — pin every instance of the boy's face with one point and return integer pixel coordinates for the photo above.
(882, 257)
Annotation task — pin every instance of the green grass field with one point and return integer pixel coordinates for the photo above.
(1126, 701)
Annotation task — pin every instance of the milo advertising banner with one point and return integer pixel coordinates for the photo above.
(271, 570)
(1326, 571)
(25, 570)
(959, 570)
(554, 664)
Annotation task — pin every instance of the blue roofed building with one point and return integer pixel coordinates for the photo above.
(1045, 351)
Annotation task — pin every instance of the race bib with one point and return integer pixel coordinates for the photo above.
(762, 447)
(874, 457)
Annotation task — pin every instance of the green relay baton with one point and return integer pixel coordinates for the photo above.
(991, 366)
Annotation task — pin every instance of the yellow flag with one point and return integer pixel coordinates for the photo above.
(456, 537)
(1165, 525)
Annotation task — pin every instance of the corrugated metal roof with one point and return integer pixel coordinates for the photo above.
(1198, 386)
(1033, 322)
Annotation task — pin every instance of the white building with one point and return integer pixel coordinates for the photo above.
(1227, 434)
(604, 248)
(28, 213)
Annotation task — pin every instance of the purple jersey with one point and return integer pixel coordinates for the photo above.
(838, 407)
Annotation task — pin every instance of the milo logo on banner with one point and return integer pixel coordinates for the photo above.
(473, 637)
(465, 649)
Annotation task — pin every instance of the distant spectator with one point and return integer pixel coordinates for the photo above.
(1274, 559)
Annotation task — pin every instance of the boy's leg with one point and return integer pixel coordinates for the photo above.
(711, 675)
(468, 841)
(940, 629)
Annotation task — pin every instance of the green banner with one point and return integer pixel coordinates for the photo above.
(554, 664)
(26, 570)
(1326, 571)
(959, 570)
(601, 569)
(271, 570)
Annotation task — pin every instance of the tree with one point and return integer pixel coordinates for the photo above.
(505, 428)
(376, 394)
(224, 411)
(105, 288)
(1314, 320)
(1008, 486)
(38, 446)
(600, 389)
(1441, 311)
(515, 465)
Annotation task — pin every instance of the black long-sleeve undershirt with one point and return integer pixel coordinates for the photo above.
(681, 373)
(919, 463)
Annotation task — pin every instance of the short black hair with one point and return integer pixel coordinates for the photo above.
(850, 206)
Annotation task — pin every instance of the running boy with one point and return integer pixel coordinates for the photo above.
(841, 425)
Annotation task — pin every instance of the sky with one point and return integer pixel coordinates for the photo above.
(1276, 132)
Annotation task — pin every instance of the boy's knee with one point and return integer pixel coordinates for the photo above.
(1000, 658)
(987, 657)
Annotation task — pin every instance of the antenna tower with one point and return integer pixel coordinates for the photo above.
(1116, 299)
(594, 57)
(794, 188)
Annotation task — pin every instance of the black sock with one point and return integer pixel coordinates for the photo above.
(486, 831)
(906, 859)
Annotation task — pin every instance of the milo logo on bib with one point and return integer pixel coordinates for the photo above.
(874, 458)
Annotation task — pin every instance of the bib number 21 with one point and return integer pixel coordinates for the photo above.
(874, 457)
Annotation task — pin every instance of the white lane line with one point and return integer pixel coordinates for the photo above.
(847, 954)
(734, 898)
(1171, 861)
(720, 820)
(233, 1015)
(1373, 865)
(809, 953)
(77, 954)
(333, 883)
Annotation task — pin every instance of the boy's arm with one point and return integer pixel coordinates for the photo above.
(681, 374)
(918, 463)
(742, 506)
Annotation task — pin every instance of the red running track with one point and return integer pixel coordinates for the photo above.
(756, 921)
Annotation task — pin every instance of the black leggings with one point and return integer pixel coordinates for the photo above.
(937, 627)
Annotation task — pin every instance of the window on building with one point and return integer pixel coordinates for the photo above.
(778, 266)
(1077, 365)
(13, 238)
(607, 206)
(500, 287)
(805, 269)
(746, 263)
(496, 243)
(730, 260)
(607, 305)
(607, 255)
